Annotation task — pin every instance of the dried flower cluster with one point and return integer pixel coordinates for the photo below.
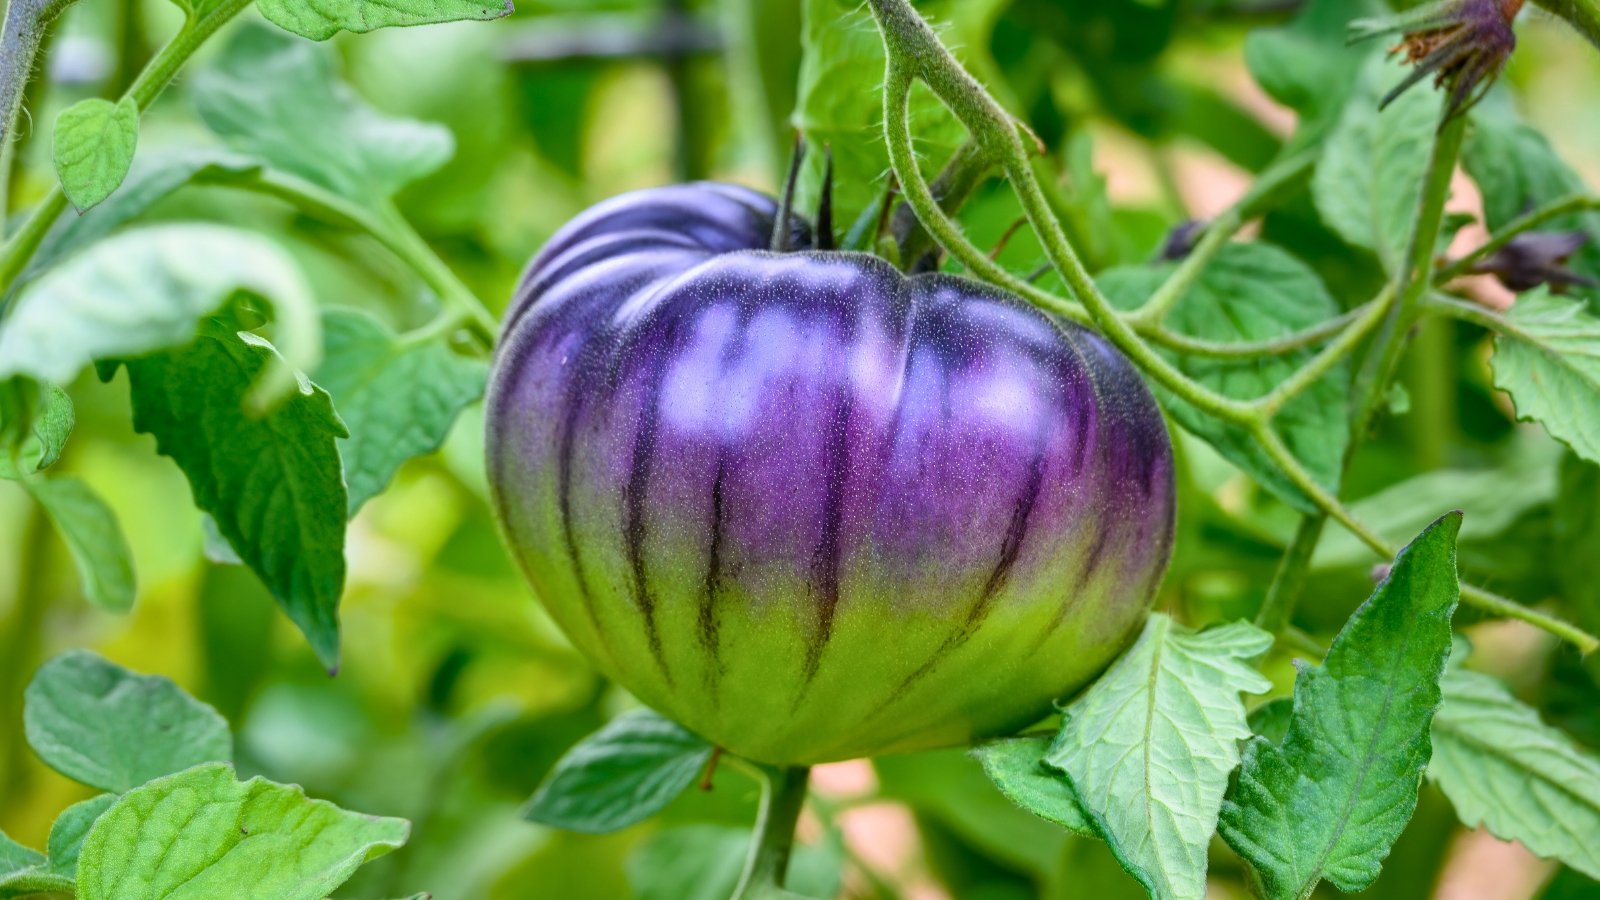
(1462, 44)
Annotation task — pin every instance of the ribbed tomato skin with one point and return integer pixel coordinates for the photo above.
(807, 506)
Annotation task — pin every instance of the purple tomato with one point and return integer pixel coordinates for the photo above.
(807, 506)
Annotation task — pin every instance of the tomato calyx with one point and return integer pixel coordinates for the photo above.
(786, 236)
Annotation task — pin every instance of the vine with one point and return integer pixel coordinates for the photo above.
(915, 53)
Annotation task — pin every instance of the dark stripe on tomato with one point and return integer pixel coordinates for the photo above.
(825, 560)
(566, 439)
(634, 494)
(1010, 549)
(1091, 563)
(711, 594)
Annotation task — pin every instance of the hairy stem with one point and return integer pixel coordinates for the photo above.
(1414, 277)
(920, 197)
(145, 89)
(404, 242)
(962, 175)
(1290, 578)
(1410, 285)
(1331, 355)
(1583, 14)
(1483, 599)
(21, 45)
(1280, 175)
(783, 793)
(911, 43)
(19, 639)
(1277, 346)
(394, 233)
(1464, 311)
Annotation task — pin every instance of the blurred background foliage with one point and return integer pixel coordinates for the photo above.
(457, 693)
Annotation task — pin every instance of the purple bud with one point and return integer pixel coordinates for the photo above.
(1181, 240)
(1537, 258)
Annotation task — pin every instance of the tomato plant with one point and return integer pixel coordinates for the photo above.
(768, 448)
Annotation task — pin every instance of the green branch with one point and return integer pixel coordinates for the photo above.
(1583, 14)
(1414, 278)
(1373, 314)
(1155, 309)
(1410, 284)
(1290, 578)
(145, 89)
(920, 197)
(915, 52)
(1277, 346)
(393, 232)
(1483, 599)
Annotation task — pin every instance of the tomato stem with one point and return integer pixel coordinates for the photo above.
(783, 793)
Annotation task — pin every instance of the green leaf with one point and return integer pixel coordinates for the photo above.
(1494, 499)
(276, 97)
(94, 144)
(1309, 64)
(203, 834)
(1149, 747)
(1369, 182)
(100, 724)
(153, 178)
(53, 426)
(1328, 801)
(24, 871)
(322, 19)
(624, 773)
(949, 790)
(273, 482)
(1548, 360)
(1505, 770)
(16, 858)
(1576, 527)
(70, 829)
(1570, 885)
(842, 52)
(1517, 170)
(1017, 768)
(90, 530)
(398, 400)
(703, 862)
(1253, 292)
(1271, 719)
(144, 290)
(46, 436)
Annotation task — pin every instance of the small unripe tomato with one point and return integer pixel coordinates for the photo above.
(807, 506)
